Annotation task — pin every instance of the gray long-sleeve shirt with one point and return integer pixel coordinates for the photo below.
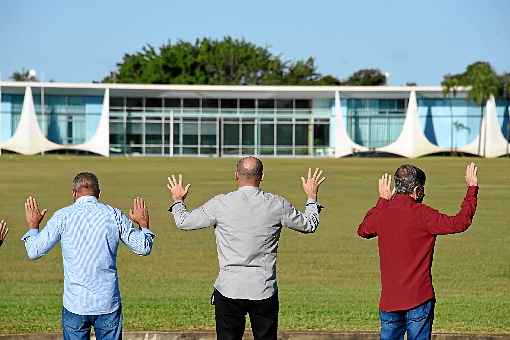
(247, 224)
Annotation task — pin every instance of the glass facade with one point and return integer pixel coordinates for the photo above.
(374, 122)
(502, 111)
(235, 121)
(220, 126)
(449, 122)
(68, 119)
(10, 113)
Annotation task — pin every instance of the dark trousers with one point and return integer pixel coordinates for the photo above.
(231, 317)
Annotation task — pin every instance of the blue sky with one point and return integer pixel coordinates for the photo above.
(415, 41)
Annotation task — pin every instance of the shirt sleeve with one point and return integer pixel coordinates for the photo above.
(306, 222)
(198, 218)
(438, 223)
(138, 240)
(39, 243)
(368, 228)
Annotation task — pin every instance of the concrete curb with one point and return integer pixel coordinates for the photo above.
(290, 335)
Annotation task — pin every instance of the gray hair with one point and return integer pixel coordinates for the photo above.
(86, 180)
(250, 171)
(407, 178)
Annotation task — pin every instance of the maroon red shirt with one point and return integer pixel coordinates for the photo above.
(406, 233)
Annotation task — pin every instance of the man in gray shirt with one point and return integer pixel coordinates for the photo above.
(247, 224)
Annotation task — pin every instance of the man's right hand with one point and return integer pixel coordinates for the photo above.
(3, 231)
(139, 213)
(312, 183)
(385, 191)
(33, 215)
(471, 175)
(179, 192)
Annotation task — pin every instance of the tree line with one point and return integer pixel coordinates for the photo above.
(228, 62)
(231, 61)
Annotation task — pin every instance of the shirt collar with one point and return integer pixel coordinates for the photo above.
(86, 199)
(248, 187)
(403, 198)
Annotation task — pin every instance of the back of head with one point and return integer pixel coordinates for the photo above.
(407, 178)
(86, 183)
(249, 170)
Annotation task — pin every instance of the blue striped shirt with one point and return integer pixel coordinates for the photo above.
(89, 232)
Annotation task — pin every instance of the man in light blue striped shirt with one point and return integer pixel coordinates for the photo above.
(89, 232)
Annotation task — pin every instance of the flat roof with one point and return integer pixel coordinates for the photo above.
(238, 91)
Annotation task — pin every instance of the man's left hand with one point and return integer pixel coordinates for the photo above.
(33, 215)
(139, 213)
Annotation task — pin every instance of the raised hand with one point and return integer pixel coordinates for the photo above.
(179, 192)
(33, 215)
(385, 187)
(471, 175)
(3, 231)
(139, 213)
(312, 183)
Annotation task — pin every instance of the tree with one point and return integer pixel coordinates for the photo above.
(23, 75)
(481, 81)
(207, 61)
(366, 77)
(504, 80)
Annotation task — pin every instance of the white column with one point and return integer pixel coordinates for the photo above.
(100, 141)
(412, 141)
(28, 138)
(343, 143)
(492, 141)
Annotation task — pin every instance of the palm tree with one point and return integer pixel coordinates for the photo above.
(23, 75)
(482, 82)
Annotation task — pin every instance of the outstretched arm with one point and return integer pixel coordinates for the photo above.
(308, 221)
(38, 243)
(368, 228)
(3, 231)
(441, 224)
(138, 240)
(196, 219)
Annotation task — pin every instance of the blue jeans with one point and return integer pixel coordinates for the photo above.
(417, 322)
(106, 326)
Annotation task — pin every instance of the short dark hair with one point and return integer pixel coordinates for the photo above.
(252, 172)
(86, 180)
(408, 177)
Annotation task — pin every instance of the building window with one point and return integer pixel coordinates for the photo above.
(117, 104)
(172, 103)
(134, 104)
(190, 102)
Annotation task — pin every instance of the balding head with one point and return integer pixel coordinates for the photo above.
(249, 171)
(407, 178)
(85, 184)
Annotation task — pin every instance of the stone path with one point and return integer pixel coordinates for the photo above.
(209, 335)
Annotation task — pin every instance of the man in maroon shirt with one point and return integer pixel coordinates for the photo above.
(406, 231)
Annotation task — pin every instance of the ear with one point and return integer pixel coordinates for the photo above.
(415, 193)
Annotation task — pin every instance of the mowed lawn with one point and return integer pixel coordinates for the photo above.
(327, 281)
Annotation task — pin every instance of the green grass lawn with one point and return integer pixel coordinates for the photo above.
(328, 280)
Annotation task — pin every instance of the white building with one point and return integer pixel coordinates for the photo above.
(174, 120)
